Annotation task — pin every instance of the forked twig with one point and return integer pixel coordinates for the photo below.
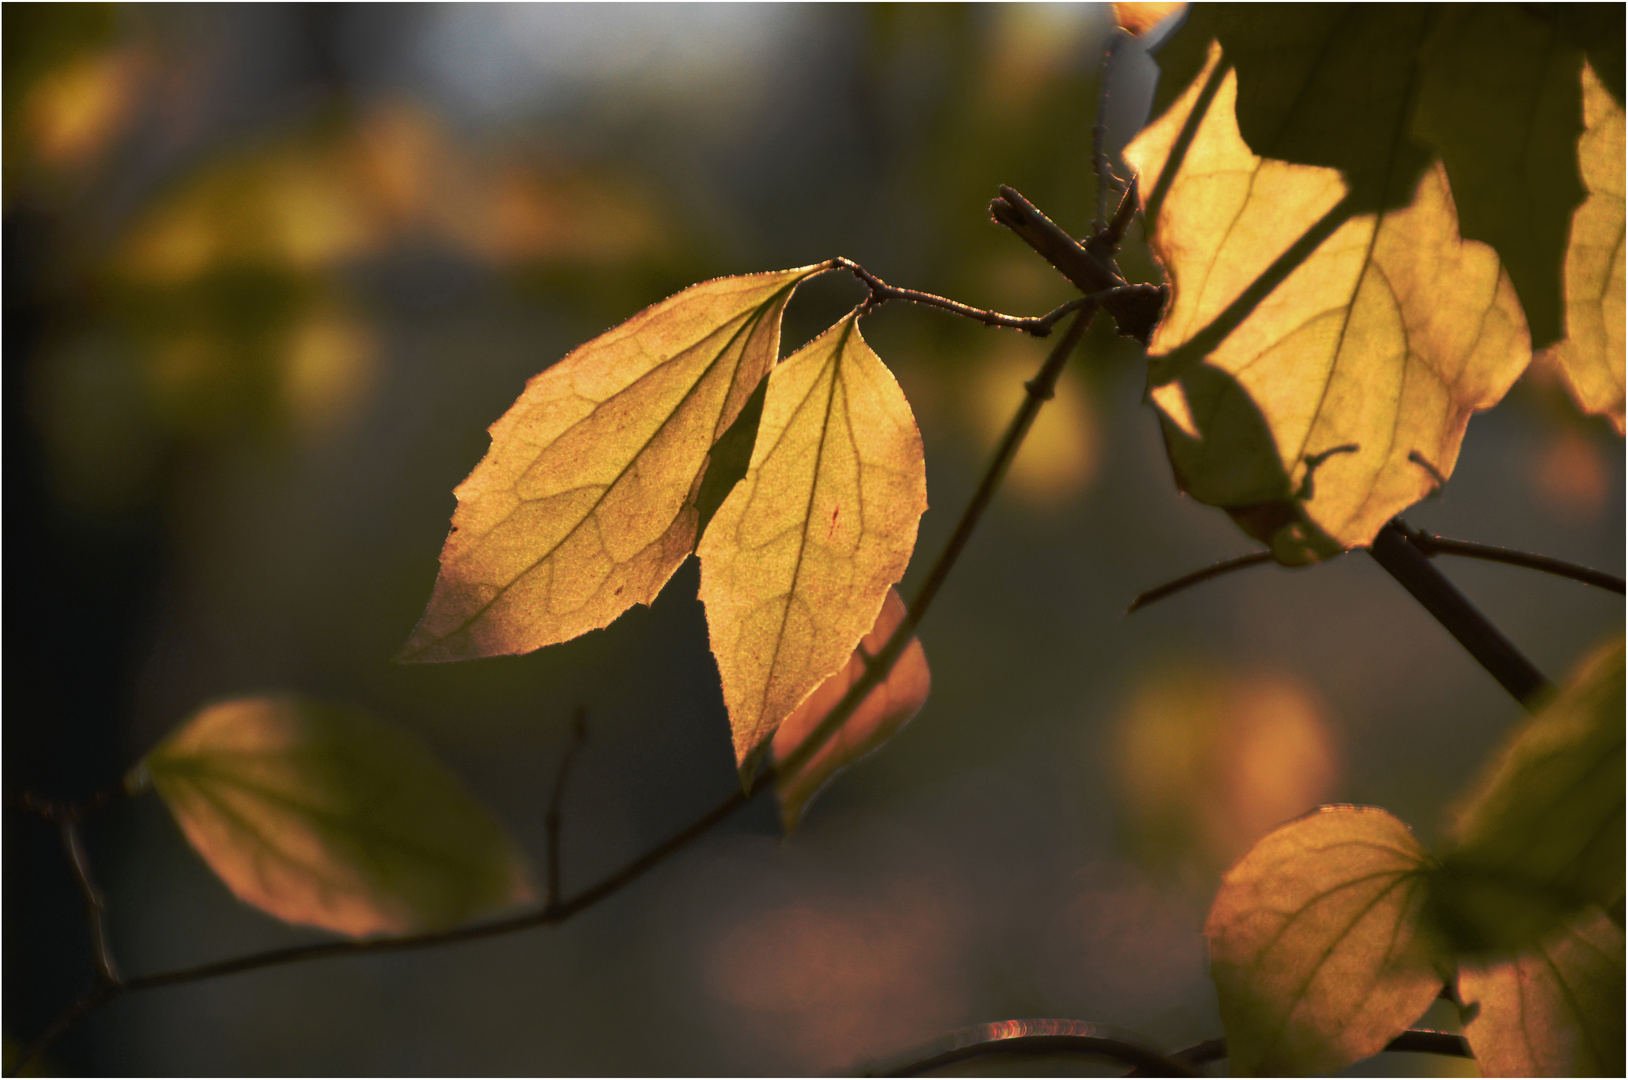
(1036, 325)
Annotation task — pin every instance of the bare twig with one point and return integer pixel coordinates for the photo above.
(95, 903)
(1099, 134)
(1037, 1038)
(1037, 325)
(551, 823)
(1198, 577)
(1439, 545)
(1411, 1041)
(557, 909)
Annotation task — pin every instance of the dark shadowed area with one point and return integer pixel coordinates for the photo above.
(270, 272)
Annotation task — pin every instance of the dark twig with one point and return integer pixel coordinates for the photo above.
(95, 903)
(556, 910)
(1099, 134)
(1037, 1038)
(1411, 1041)
(1037, 325)
(1439, 545)
(1198, 577)
(551, 823)
(1394, 550)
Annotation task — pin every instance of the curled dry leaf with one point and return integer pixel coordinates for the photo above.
(1316, 368)
(797, 562)
(884, 711)
(1542, 835)
(325, 816)
(1317, 948)
(1554, 1011)
(1591, 356)
(587, 500)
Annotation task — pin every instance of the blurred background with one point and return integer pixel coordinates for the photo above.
(271, 270)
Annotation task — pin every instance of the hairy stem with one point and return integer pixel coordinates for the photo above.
(1036, 325)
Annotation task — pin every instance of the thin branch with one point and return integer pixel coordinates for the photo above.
(1037, 325)
(1198, 577)
(95, 903)
(1099, 133)
(556, 910)
(551, 823)
(1439, 545)
(1411, 1041)
(1394, 550)
(1039, 1038)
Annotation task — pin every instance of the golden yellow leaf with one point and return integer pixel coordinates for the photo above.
(798, 560)
(325, 816)
(1139, 18)
(1316, 368)
(1554, 1011)
(586, 502)
(884, 711)
(1591, 355)
(1317, 946)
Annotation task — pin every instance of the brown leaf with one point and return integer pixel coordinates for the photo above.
(1139, 18)
(799, 558)
(586, 502)
(878, 718)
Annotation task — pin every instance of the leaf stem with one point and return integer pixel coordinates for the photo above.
(1036, 325)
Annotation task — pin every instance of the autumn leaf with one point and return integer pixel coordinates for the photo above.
(1591, 356)
(1542, 834)
(587, 500)
(1317, 946)
(799, 558)
(1316, 367)
(1380, 90)
(1554, 1011)
(325, 816)
(877, 719)
(1139, 18)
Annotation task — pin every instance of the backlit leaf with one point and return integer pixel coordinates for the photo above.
(1554, 1011)
(325, 816)
(799, 558)
(1591, 356)
(1316, 943)
(1139, 18)
(1316, 368)
(587, 500)
(884, 711)
(1542, 834)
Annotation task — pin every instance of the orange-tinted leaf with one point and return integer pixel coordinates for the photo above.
(1317, 946)
(1554, 1011)
(325, 816)
(1591, 355)
(884, 711)
(1316, 368)
(799, 558)
(586, 502)
(1138, 18)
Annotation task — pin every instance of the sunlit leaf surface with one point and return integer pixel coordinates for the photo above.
(586, 502)
(1555, 1011)
(1542, 835)
(1591, 356)
(799, 558)
(1138, 19)
(1316, 946)
(325, 816)
(883, 712)
(1316, 369)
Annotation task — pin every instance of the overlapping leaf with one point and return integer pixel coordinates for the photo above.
(1317, 943)
(877, 719)
(588, 499)
(798, 560)
(1378, 90)
(1542, 836)
(325, 816)
(1591, 356)
(1317, 367)
(1554, 1011)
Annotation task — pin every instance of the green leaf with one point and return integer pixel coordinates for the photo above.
(886, 709)
(1317, 947)
(1554, 1011)
(1591, 357)
(1316, 368)
(800, 556)
(1542, 835)
(323, 815)
(587, 500)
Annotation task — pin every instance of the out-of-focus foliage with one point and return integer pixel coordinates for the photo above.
(800, 557)
(1317, 947)
(1316, 368)
(877, 719)
(325, 816)
(587, 500)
